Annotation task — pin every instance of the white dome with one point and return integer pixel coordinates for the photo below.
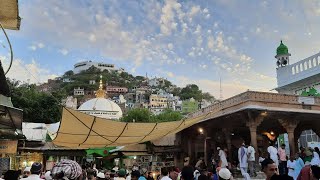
(101, 107)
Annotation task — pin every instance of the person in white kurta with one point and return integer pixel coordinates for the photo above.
(223, 158)
(273, 152)
(315, 160)
(291, 164)
(243, 161)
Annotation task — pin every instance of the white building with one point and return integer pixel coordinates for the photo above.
(301, 78)
(101, 107)
(71, 102)
(156, 82)
(78, 91)
(85, 65)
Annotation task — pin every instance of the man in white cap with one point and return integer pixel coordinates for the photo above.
(223, 159)
(26, 172)
(224, 174)
(243, 161)
(35, 170)
(101, 176)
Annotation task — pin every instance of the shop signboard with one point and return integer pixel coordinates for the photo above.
(8, 147)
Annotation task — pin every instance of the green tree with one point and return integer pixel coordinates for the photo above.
(68, 73)
(138, 115)
(191, 90)
(38, 107)
(207, 96)
(168, 115)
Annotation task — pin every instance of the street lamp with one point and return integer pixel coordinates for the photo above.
(200, 130)
(272, 133)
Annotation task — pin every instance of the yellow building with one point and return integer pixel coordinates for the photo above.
(157, 103)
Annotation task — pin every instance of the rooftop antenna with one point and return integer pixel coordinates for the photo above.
(221, 97)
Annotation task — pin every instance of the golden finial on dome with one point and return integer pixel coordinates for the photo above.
(100, 92)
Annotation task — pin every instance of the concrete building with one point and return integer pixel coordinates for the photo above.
(85, 65)
(156, 82)
(71, 102)
(301, 78)
(116, 90)
(158, 103)
(78, 91)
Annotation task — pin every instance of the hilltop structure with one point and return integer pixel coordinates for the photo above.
(85, 65)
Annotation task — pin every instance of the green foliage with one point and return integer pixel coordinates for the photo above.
(38, 107)
(144, 115)
(138, 115)
(207, 96)
(68, 73)
(311, 92)
(168, 115)
(191, 90)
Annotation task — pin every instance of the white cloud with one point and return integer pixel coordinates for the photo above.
(203, 66)
(92, 38)
(170, 46)
(129, 19)
(41, 45)
(33, 47)
(170, 74)
(194, 10)
(205, 10)
(63, 51)
(28, 72)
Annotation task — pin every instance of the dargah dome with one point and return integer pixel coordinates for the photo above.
(100, 106)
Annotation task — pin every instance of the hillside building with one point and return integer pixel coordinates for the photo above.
(85, 65)
(78, 91)
(116, 90)
(158, 103)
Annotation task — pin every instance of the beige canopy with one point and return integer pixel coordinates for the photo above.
(9, 14)
(81, 130)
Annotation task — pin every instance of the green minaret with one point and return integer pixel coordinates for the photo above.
(282, 55)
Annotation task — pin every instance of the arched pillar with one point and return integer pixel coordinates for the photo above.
(252, 123)
(290, 126)
(227, 133)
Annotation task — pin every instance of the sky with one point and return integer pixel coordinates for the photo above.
(194, 41)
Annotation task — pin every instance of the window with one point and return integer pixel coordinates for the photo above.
(301, 67)
(314, 62)
(297, 68)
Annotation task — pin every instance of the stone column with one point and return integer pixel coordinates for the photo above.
(291, 141)
(252, 123)
(227, 132)
(290, 126)
(253, 137)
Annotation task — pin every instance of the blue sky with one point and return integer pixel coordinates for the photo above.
(184, 41)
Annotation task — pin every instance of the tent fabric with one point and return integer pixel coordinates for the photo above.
(9, 14)
(78, 129)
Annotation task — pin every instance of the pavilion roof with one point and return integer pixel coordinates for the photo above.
(9, 14)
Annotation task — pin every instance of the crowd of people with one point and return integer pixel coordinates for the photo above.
(295, 166)
(304, 165)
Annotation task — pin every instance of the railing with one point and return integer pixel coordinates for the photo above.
(299, 70)
(250, 96)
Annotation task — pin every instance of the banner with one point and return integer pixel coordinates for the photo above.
(8, 147)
